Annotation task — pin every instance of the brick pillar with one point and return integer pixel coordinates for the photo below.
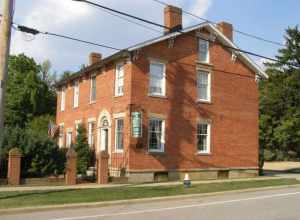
(14, 167)
(102, 168)
(71, 171)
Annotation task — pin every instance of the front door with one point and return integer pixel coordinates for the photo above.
(104, 139)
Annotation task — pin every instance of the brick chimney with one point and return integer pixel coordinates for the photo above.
(173, 18)
(94, 58)
(226, 29)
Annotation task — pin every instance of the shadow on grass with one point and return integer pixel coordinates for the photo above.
(32, 193)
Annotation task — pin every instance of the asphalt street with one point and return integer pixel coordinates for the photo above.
(280, 204)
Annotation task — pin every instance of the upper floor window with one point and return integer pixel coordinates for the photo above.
(203, 51)
(203, 137)
(119, 81)
(157, 79)
(93, 89)
(203, 86)
(119, 134)
(76, 94)
(63, 99)
(156, 135)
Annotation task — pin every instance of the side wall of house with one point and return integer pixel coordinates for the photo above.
(233, 110)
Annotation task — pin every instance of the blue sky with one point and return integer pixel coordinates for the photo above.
(267, 18)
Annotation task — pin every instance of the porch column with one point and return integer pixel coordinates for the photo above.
(14, 167)
(102, 169)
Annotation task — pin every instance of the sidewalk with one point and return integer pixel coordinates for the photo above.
(95, 185)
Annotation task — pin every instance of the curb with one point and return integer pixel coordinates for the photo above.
(134, 201)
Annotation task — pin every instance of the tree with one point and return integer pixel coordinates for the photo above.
(280, 102)
(28, 93)
(83, 151)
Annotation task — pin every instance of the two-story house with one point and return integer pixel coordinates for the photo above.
(185, 102)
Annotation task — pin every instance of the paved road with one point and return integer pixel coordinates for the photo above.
(281, 204)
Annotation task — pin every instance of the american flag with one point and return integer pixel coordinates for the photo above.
(52, 129)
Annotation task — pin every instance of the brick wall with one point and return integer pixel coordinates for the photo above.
(233, 110)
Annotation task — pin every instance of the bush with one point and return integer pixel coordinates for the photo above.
(269, 155)
(84, 154)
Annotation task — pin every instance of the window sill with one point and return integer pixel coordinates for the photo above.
(158, 96)
(119, 151)
(204, 63)
(203, 154)
(93, 102)
(117, 96)
(204, 101)
(156, 152)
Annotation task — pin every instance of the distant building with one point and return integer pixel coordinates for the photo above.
(182, 102)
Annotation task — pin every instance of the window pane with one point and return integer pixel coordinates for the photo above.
(157, 78)
(119, 134)
(203, 50)
(119, 81)
(202, 138)
(203, 85)
(155, 134)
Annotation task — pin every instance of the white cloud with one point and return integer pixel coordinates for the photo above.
(200, 7)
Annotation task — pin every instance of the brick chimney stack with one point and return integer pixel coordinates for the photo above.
(173, 18)
(226, 28)
(94, 58)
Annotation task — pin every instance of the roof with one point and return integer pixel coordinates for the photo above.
(126, 52)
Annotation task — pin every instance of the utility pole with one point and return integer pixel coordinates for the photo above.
(5, 34)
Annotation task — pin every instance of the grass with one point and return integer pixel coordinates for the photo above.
(40, 198)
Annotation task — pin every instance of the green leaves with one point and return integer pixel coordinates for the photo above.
(280, 102)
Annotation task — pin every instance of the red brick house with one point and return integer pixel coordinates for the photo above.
(172, 105)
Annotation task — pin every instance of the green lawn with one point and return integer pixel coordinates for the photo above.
(39, 198)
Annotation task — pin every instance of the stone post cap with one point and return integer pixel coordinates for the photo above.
(15, 152)
(71, 153)
(103, 154)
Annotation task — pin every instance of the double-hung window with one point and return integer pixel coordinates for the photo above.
(119, 134)
(93, 89)
(119, 81)
(157, 79)
(61, 136)
(203, 86)
(76, 95)
(69, 139)
(156, 135)
(203, 51)
(63, 99)
(203, 137)
(91, 134)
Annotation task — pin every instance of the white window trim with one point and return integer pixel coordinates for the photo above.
(163, 130)
(154, 61)
(69, 131)
(91, 88)
(116, 149)
(75, 97)
(77, 123)
(63, 135)
(117, 94)
(63, 99)
(91, 120)
(208, 151)
(208, 53)
(208, 100)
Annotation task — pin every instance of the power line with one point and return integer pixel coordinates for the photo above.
(128, 20)
(180, 31)
(215, 23)
(33, 31)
